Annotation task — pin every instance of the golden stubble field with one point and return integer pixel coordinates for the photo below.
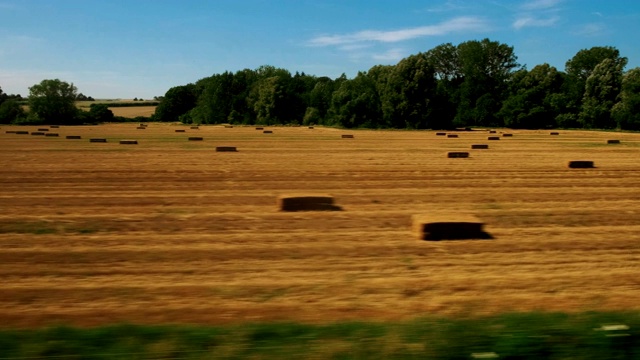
(170, 231)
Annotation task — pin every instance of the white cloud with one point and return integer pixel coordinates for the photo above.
(530, 21)
(391, 55)
(541, 4)
(459, 24)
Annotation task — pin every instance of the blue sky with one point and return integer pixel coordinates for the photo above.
(125, 49)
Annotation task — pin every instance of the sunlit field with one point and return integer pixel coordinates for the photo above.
(170, 231)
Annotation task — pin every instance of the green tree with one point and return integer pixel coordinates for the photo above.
(626, 112)
(356, 103)
(100, 113)
(601, 92)
(532, 98)
(53, 102)
(177, 101)
(10, 111)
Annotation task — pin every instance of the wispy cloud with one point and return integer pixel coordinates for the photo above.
(459, 24)
(540, 4)
(535, 22)
(538, 13)
(592, 29)
(391, 55)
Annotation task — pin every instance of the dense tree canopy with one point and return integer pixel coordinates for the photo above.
(53, 102)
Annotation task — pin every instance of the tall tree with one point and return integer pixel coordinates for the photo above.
(177, 101)
(356, 103)
(626, 113)
(601, 92)
(532, 96)
(53, 102)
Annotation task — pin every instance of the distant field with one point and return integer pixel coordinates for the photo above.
(169, 231)
(141, 108)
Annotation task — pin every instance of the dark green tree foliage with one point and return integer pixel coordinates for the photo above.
(356, 103)
(626, 112)
(532, 101)
(484, 67)
(177, 101)
(10, 111)
(53, 102)
(100, 113)
(601, 92)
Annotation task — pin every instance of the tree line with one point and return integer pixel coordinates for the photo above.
(474, 83)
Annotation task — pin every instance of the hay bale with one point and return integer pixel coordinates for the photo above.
(43, 129)
(195, 127)
(37, 133)
(307, 203)
(74, 137)
(98, 140)
(180, 130)
(51, 134)
(492, 131)
(448, 226)
(22, 132)
(228, 126)
(554, 133)
(310, 127)
(54, 126)
(479, 146)
(613, 141)
(259, 128)
(581, 164)
(452, 135)
(226, 149)
(267, 132)
(195, 138)
(457, 154)
(507, 135)
(10, 132)
(347, 136)
(493, 138)
(129, 142)
(441, 134)
(141, 127)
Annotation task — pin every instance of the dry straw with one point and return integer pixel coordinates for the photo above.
(452, 135)
(306, 202)
(581, 164)
(74, 137)
(479, 146)
(613, 141)
(129, 142)
(493, 138)
(448, 226)
(98, 140)
(195, 138)
(441, 134)
(180, 130)
(51, 135)
(457, 154)
(347, 136)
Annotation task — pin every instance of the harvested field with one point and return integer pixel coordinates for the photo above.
(133, 111)
(169, 231)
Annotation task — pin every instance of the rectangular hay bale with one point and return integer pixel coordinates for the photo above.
(129, 142)
(581, 164)
(441, 134)
(195, 128)
(347, 136)
(180, 130)
(141, 127)
(613, 141)
(507, 135)
(457, 154)
(479, 146)
(452, 135)
(98, 140)
(195, 138)
(554, 133)
(74, 137)
(22, 132)
(448, 226)
(43, 129)
(315, 202)
(310, 127)
(10, 132)
(493, 138)
(226, 149)
(37, 133)
(51, 134)
(54, 126)
(259, 128)
(267, 132)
